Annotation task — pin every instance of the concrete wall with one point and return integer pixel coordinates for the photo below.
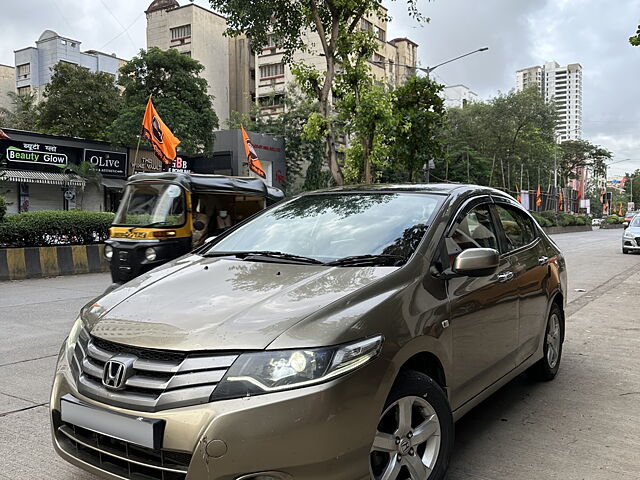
(7, 84)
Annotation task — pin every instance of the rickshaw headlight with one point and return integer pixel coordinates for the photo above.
(150, 254)
(108, 252)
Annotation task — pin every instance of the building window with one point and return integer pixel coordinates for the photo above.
(24, 90)
(273, 70)
(378, 60)
(366, 25)
(24, 70)
(187, 53)
(180, 32)
(271, 101)
(381, 34)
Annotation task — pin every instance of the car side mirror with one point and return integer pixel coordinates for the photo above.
(625, 224)
(198, 225)
(476, 262)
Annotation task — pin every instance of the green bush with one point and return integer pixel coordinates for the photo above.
(613, 219)
(566, 220)
(582, 220)
(55, 227)
(3, 208)
(542, 221)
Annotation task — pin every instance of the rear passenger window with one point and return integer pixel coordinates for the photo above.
(517, 227)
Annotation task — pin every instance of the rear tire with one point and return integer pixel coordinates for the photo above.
(414, 437)
(547, 367)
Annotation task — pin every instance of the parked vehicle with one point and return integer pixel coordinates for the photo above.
(162, 216)
(628, 216)
(631, 236)
(337, 335)
(596, 222)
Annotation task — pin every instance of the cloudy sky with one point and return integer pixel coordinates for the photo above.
(519, 33)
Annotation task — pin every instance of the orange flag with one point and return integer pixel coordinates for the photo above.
(518, 196)
(538, 197)
(164, 143)
(620, 213)
(252, 157)
(560, 201)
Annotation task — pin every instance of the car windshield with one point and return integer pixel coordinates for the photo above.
(328, 227)
(146, 204)
(635, 222)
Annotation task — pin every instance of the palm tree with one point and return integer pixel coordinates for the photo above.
(87, 172)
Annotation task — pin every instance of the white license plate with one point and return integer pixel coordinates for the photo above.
(141, 431)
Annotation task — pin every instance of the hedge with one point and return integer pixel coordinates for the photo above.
(55, 227)
(3, 208)
(549, 218)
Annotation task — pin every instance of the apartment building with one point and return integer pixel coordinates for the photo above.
(458, 96)
(199, 32)
(393, 63)
(34, 65)
(563, 86)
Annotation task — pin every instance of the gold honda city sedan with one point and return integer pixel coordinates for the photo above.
(337, 335)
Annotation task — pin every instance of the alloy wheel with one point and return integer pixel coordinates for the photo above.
(407, 441)
(553, 340)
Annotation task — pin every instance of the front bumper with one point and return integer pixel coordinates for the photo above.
(319, 432)
(631, 244)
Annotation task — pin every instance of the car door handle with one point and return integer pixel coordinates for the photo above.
(505, 277)
(543, 260)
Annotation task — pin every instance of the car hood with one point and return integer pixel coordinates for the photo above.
(220, 303)
(634, 230)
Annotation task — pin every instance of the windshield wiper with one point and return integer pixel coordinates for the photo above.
(267, 254)
(357, 260)
(153, 224)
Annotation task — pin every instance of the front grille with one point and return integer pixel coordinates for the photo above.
(158, 379)
(638, 241)
(119, 457)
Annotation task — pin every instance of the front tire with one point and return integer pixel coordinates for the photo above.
(414, 437)
(547, 367)
(624, 250)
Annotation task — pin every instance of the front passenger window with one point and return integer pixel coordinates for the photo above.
(475, 230)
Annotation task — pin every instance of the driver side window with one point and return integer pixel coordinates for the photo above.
(475, 230)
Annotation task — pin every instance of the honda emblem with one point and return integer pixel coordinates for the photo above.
(114, 375)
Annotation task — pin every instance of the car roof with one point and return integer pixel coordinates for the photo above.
(437, 188)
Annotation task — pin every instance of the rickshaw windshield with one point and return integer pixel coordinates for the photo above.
(152, 204)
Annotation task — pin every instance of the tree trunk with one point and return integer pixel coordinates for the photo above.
(366, 164)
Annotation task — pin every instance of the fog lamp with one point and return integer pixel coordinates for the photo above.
(150, 254)
(108, 252)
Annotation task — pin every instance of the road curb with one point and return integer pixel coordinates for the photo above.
(38, 262)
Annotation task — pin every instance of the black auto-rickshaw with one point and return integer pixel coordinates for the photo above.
(165, 215)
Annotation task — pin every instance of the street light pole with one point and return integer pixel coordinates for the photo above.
(428, 70)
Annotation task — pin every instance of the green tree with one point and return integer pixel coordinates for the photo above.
(576, 154)
(179, 94)
(633, 184)
(635, 39)
(86, 172)
(332, 22)
(506, 141)
(304, 157)
(23, 115)
(420, 116)
(79, 103)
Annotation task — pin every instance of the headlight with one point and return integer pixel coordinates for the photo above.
(629, 234)
(265, 372)
(72, 339)
(150, 254)
(108, 252)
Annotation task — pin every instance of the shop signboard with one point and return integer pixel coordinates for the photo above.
(109, 164)
(37, 156)
(180, 165)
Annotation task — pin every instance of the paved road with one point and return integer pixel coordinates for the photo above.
(583, 426)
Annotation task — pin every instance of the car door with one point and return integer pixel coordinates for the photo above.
(483, 310)
(522, 243)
